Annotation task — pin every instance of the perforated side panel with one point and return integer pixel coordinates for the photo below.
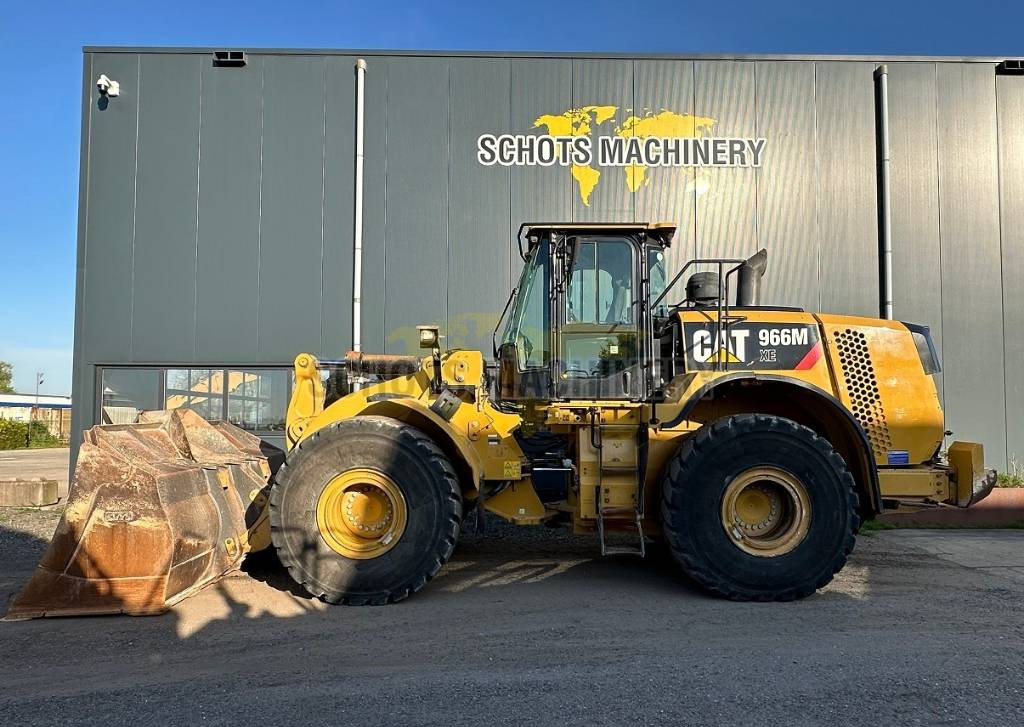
(862, 388)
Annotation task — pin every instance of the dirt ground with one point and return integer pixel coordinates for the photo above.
(531, 627)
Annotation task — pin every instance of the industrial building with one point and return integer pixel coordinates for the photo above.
(216, 211)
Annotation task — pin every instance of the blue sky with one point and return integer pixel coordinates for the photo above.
(41, 43)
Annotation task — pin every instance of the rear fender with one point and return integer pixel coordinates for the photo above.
(804, 403)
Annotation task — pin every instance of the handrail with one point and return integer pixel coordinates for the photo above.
(722, 307)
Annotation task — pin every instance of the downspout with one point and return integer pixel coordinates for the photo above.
(884, 203)
(357, 217)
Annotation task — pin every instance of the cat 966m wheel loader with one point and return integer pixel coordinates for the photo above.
(749, 441)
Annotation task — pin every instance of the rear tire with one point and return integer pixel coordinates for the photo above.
(417, 477)
(798, 488)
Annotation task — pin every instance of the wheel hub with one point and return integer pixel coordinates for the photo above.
(766, 511)
(361, 513)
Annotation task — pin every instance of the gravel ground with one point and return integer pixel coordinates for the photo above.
(528, 626)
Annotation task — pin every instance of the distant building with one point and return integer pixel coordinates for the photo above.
(54, 411)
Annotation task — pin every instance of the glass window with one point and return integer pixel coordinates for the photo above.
(528, 326)
(656, 272)
(126, 392)
(201, 390)
(335, 382)
(258, 399)
(601, 283)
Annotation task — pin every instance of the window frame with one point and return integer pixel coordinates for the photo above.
(162, 387)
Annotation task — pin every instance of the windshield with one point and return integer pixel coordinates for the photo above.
(528, 325)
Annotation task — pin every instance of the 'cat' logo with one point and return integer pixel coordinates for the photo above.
(706, 346)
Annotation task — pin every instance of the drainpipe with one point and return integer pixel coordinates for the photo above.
(357, 232)
(884, 204)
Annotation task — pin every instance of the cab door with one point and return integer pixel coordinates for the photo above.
(597, 338)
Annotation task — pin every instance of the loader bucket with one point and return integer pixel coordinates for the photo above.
(157, 510)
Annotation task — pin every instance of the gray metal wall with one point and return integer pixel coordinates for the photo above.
(216, 214)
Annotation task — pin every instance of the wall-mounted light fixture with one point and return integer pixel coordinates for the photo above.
(106, 87)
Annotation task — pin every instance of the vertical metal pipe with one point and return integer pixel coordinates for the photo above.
(884, 203)
(357, 232)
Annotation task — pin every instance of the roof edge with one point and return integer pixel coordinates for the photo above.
(681, 56)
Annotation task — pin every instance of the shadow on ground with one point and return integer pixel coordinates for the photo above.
(530, 626)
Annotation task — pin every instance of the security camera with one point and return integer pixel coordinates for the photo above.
(106, 87)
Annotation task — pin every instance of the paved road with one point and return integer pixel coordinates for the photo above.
(533, 629)
(45, 463)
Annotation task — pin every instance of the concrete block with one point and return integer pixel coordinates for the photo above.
(28, 492)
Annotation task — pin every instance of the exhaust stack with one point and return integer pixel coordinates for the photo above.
(748, 279)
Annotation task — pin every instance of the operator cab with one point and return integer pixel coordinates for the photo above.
(580, 323)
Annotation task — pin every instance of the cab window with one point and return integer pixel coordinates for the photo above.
(601, 283)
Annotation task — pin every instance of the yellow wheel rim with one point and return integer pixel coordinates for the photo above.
(361, 514)
(766, 511)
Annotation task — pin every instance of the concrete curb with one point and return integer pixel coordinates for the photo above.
(1003, 506)
(33, 492)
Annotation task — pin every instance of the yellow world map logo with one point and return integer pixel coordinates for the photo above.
(581, 122)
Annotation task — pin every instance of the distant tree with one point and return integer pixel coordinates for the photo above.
(6, 372)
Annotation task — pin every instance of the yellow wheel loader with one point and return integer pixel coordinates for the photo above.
(748, 441)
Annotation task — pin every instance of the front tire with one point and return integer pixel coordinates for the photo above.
(365, 511)
(759, 508)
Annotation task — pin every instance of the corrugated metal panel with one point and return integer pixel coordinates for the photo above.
(847, 190)
(539, 194)
(291, 232)
(166, 205)
(916, 274)
(374, 203)
(603, 84)
(478, 206)
(339, 191)
(726, 198)
(105, 308)
(667, 195)
(227, 272)
(429, 204)
(1010, 109)
(787, 183)
(971, 283)
(417, 200)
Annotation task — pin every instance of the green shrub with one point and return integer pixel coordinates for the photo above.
(41, 436)
(12, 435)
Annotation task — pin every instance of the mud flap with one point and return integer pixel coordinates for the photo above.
(156, 511)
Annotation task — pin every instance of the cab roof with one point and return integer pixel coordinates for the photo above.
(663, 231)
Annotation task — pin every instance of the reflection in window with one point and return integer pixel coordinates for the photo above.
(126, 392)
(601, 283)
(528, 325)
(258, 399)
(201, 390)
(656, 267)
(254, 399)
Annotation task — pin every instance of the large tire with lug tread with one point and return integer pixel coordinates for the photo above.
(759, 508)
(365, 511)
